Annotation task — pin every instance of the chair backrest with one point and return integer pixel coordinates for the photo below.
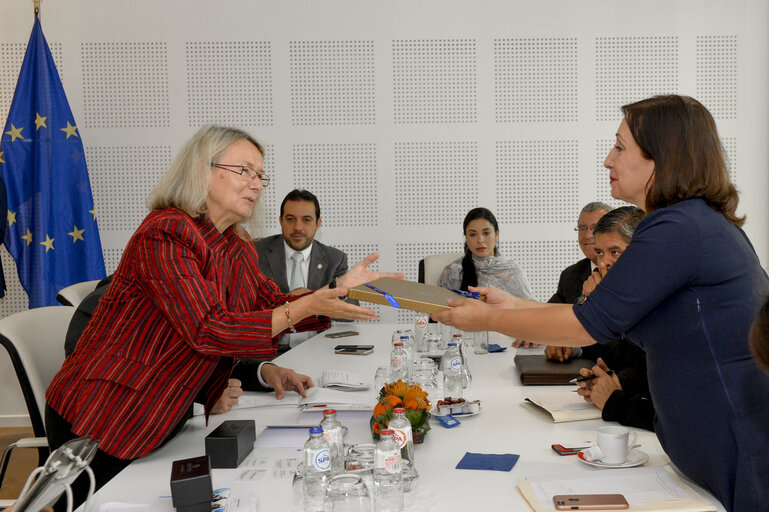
(34, 340)
(430, 267)
(74, 293)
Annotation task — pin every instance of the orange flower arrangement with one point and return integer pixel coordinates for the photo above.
(409, 396)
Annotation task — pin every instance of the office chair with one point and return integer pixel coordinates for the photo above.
(34, 340)
(430, 267)
(73, 294)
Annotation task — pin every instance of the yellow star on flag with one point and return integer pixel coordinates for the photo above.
(40, 121)
(76, 234)
(15, 133)
(27, 237)
(48, 243)
(1, 158)
(93, 212)
(11, 218)
(69, 130)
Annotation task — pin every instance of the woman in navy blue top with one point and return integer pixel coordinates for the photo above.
(686, 290)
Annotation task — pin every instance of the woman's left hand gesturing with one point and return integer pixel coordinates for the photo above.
(360, 273)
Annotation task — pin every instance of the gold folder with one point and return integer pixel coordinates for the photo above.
(424, 298)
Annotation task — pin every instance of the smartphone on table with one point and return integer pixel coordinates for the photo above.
(590, 502)
(357, 350)
(341, 334)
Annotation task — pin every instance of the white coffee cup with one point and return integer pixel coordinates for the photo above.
(612, 446)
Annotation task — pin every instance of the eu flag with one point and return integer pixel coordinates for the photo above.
(52, 232)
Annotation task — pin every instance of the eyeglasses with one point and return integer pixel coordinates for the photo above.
(250, 173)
(581, 229)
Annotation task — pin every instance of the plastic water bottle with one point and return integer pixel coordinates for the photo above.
(388, 482)
(467, 378)
(452, 372)
(317, 470)
(420, 329)
(333, 433)
(399, 367)
(403, 435)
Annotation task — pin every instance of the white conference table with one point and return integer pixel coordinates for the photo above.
(503, 426)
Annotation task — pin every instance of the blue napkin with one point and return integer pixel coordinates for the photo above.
(502, 462)
(493, 347)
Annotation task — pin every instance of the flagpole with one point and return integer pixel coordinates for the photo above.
(37, 9)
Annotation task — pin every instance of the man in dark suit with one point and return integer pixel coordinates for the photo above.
(572, 277)
(294, 259)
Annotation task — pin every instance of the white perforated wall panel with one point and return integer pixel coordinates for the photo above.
(535, 80)
(717, 75)
(399, 117)
(229, 83)
(435, 81)
(631, 69)
(435, 182)
(332, 82)
(344, 178)
(125, 85)
(122, 178)
(537, 182)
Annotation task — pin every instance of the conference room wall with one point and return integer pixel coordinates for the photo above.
(400, 116)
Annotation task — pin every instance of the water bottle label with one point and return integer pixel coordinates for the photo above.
(455, 364)
(390, 461)
(402, 436)
(396, 363)
(322, 460)
(332, 436)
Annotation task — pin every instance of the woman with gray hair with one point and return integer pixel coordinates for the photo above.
(186, 301)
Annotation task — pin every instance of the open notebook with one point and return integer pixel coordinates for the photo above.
(561, 406)
(317, 398)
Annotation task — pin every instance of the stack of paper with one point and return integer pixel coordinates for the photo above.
(648, 488)
(317, 398)
(342, 380)
(561, 406)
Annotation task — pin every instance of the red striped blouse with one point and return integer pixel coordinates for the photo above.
(185, 301)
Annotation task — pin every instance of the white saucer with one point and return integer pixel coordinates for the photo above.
(635, 457)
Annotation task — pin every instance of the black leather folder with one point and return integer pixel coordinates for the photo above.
(536, 370)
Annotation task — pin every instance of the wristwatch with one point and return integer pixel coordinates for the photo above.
(332, 284)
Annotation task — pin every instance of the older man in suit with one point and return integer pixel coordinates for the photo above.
(294, 259)
(573, 276)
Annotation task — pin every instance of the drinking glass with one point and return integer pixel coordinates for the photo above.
(380, 377)
(347, 493)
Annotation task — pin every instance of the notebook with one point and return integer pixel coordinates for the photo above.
(561, 406)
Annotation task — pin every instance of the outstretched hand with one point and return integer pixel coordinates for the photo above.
(360, 273)
(465, 314)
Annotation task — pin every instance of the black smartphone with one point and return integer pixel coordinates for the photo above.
(341, 334)
(358, 350)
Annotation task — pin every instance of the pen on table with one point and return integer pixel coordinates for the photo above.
(589, 377)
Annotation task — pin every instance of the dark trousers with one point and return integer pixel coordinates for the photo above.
(104, 466)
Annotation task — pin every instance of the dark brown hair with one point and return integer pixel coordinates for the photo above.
(680, 135)
(759, 337)
(469, 275)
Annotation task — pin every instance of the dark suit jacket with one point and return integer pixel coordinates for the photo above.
(570, 282)
(326, 263)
